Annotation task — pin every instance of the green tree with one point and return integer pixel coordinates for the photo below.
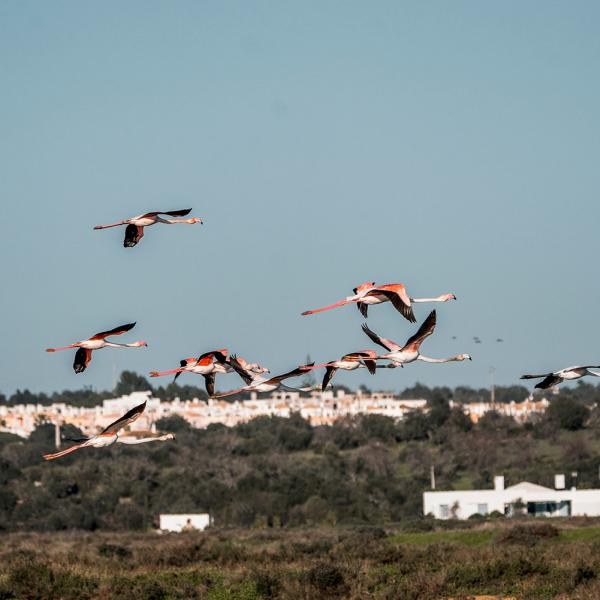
(567, 413)
(131, 382)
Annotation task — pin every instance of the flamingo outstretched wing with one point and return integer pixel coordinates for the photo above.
(364, 356)
(246, 375)
(209, 381)
(400, 301)
(171, 213)
(384, 342)
(129, 417)
(133, 234)
(550, 381)
(427, 328)
(116, 331)
(301, 370)
(329, 373)
(83, 356)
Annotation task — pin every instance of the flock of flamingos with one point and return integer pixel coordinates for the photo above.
(254, 375)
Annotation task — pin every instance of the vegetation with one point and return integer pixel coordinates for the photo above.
(279, 472)
(584, 393)
(528, 560)
(299, 511)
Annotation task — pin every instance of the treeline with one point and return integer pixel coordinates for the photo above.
(129, 382)
(284, 472)
(87, 397)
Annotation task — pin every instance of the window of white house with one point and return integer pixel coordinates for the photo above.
(444, 511)
(482, 509)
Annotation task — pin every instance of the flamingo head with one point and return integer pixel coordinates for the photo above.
(447, 297)
(195, 220)
(140, 344)
(464, 357)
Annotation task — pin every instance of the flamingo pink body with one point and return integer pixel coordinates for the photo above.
(401, 355)
(135, 226)
(368, 294)
(83, 356)
(112, 434)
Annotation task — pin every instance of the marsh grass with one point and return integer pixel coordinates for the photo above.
(528, 560)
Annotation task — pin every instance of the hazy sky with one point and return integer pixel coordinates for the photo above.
(450, 146)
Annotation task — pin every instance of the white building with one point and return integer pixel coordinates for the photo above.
(320, 408)
(179, 523)
(522, 498)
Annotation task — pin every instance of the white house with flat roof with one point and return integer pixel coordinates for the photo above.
(522, 498)
(189, 522)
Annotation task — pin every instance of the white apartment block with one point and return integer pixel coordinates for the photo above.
(522, 498)
(520, 411)
(321, 408)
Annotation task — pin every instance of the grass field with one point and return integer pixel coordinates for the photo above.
(474, 538)
(529, 560)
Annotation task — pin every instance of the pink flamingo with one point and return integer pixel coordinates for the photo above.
(348, 362)
(401, 355)
(83, 356)
(258, 383)
(135, 226)
(368, 294)
(111, 435)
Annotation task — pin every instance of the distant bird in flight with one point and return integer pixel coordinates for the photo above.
(111, 434)
(208, 365)
(368, 293)
(401, 355)
(83, 356)
(135, 226)
(348, 362)
(258, 383)
(568, 374)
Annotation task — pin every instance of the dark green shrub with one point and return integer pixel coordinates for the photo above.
(268, 584)
(528, 535)
(114, 551)
(325, 577)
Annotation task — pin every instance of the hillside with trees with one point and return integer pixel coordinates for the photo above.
(284, 472)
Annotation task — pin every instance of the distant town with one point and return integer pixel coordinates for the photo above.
(319, 408)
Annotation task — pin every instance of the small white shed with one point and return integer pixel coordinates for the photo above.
(180, 523)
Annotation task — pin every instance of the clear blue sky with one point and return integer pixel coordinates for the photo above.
(449, 146)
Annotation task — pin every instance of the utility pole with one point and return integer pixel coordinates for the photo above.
(432, 474)
(114, 374)
(493, 387)
(57, 434)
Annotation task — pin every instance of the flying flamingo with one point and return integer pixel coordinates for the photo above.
(368, 293)
(111, 435)
(568, 374)
(258, 383)
(348, 362)
(135, 226)
(208, 365)
(401, 355)
(83, 356)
